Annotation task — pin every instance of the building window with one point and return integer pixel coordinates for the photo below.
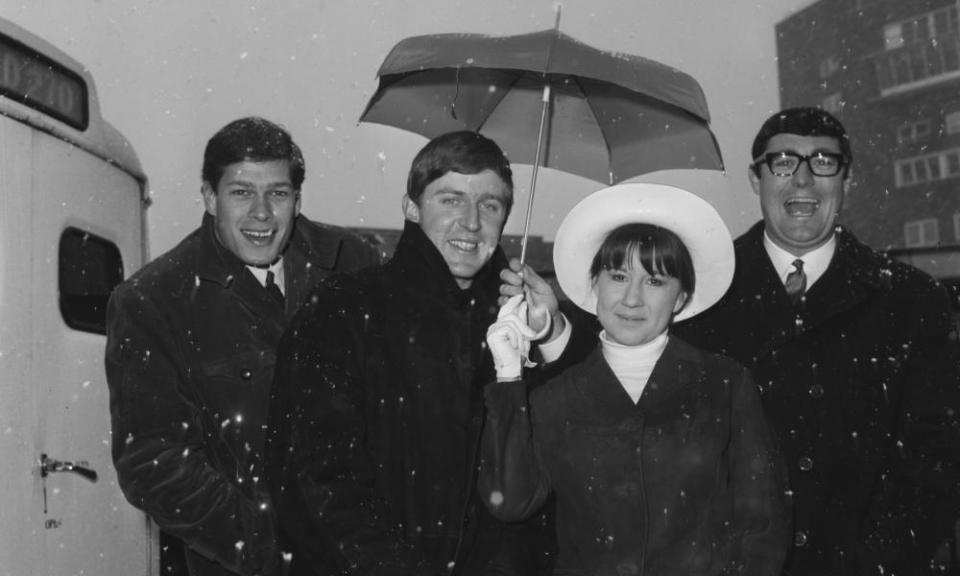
(920, 50)
(919, 233)
(921, 28)
(833, 103)
(90, 267)
(913, 131)
(927, 168)
(893, 36)
(952, 123)
(828, 66)
(953, 163)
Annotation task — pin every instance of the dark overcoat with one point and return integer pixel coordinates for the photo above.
(860, 383)
(375, 427)
(686, 481)
(191, 341)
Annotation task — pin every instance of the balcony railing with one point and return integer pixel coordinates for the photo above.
(918, 64)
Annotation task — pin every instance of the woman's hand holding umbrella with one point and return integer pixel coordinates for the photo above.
(540, 296)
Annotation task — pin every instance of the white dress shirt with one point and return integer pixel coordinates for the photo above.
(815, 262)
(277, 269)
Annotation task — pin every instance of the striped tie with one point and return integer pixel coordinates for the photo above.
(796, 283)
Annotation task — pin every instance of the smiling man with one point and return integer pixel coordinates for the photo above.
(191, 347)
(375, 427)
(852, 356)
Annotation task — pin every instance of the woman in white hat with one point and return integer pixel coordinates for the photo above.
(658, 453)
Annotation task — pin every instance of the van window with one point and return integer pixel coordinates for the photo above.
(90, 267)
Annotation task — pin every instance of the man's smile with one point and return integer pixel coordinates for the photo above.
(801, 207)
(259, 236)
(464, 245)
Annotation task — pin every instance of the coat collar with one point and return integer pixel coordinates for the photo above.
(304, 257)
(855, 274)
(218, 264)
(423, 268)
(852, 259)
(673, 374)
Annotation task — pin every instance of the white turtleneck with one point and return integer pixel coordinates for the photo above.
(632, 365)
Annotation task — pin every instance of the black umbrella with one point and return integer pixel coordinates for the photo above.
(602, 115)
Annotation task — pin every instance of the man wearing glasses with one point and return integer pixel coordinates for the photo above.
(852, 356)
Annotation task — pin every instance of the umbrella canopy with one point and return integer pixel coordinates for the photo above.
(611, 116)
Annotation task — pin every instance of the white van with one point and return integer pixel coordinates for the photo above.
(72, 226)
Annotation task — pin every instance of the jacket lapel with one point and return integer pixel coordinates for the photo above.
(671, 376)
(220, 266)
(307, 260)
(759, 286)
(603, 390)
(853, 275)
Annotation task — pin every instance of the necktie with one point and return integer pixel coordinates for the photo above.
(796, 283)
(273, 289)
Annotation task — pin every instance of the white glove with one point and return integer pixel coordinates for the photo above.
(509, 338)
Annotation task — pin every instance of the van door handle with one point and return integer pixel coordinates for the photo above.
(49, 466)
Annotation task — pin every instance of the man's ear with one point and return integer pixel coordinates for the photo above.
(847, 181)
(754, 178)
(410, 209)
(209, 198)
(296, 207)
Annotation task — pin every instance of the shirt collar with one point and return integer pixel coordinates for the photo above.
(815, 262)
(277, 269)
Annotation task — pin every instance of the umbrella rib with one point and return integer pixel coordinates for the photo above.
(507, 87)
(606, 143)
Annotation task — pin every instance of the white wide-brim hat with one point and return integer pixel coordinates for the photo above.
(691, 218)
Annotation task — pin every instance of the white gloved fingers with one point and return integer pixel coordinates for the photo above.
(503, 333)
(510, 306)
(515, 310)
(507, 347)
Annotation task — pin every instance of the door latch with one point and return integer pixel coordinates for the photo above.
(49, 466)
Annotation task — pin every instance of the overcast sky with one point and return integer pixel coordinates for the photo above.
(172, 72)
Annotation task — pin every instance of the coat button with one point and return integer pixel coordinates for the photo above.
(816, 391)
(246, 374)
(800, 539)
(805, 463)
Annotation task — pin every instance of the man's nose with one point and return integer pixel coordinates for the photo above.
(470, 219)
(804, 175)
(260, 208)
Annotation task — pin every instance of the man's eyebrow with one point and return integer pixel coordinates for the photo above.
(490, 196)
(798, 153)
(251, 184)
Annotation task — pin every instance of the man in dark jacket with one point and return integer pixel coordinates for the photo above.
(851, 353)
(191, 348)
(374, 433)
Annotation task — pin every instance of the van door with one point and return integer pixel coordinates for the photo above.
(73, 230)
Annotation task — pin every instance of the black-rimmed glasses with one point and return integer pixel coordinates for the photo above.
(787, 163)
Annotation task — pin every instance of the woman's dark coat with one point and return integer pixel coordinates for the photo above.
(860, 383)
(376, 423)
(685, 482)
(191, 339)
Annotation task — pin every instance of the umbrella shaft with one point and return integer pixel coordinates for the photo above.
(533, 175)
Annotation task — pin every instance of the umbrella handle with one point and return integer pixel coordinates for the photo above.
(533, 176)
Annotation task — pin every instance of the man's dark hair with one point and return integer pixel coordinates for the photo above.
(251, 139)
(463, 152)
(659, 251)
(805, 121)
